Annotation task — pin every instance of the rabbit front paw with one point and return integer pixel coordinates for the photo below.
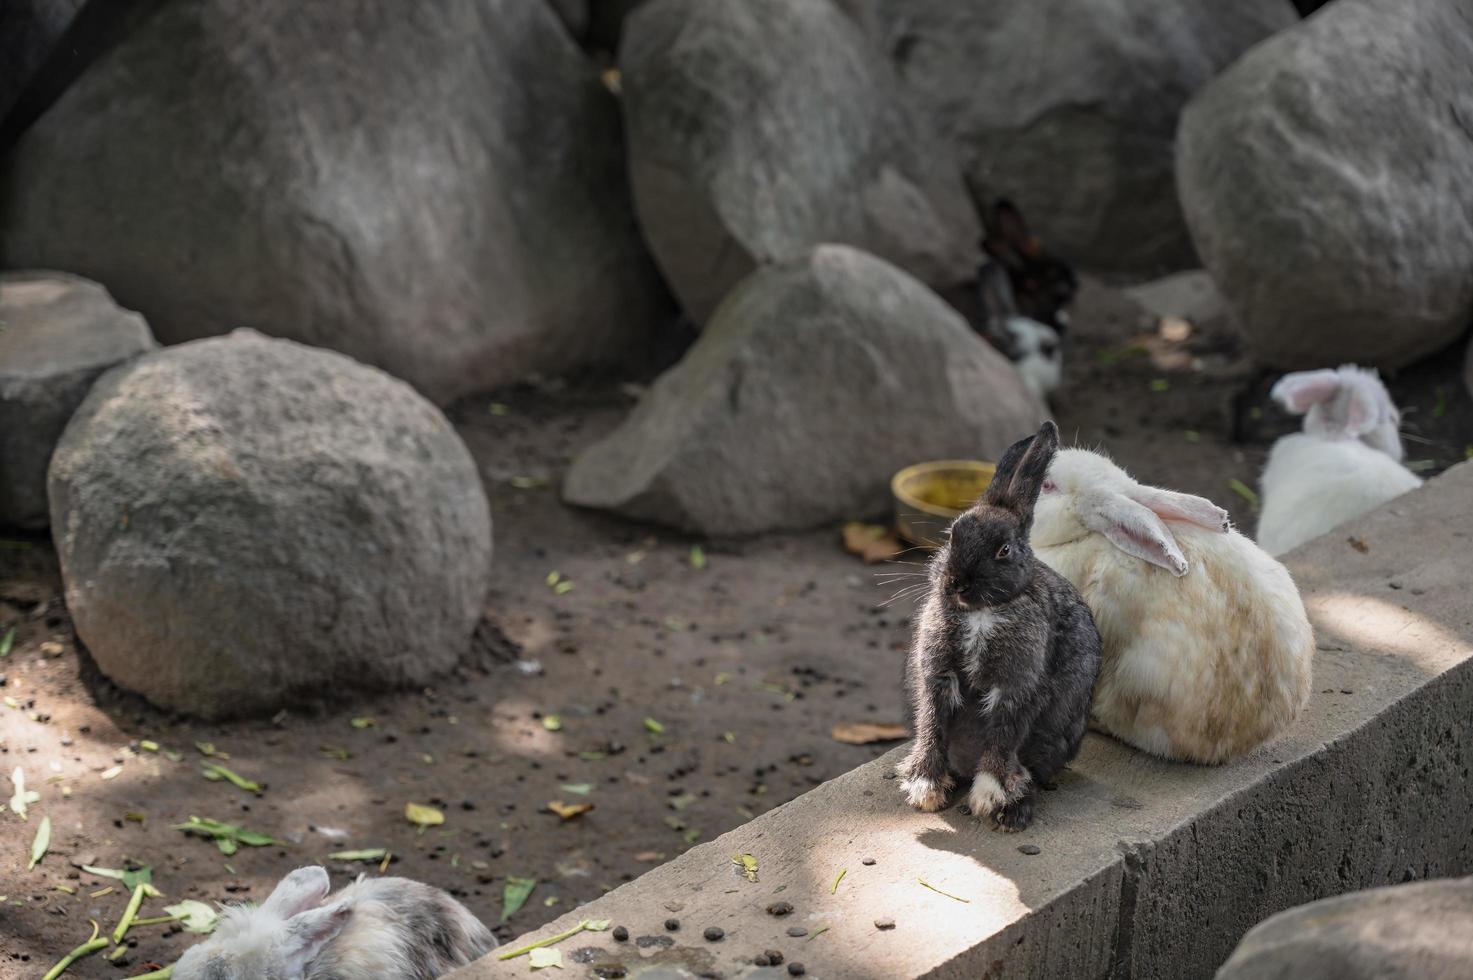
(925, 786)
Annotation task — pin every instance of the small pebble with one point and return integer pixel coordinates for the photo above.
(885, 923)
(774, 956)
(867, 862)
(672, 925)
(889, 775)
(714, 934)
(1030, 849)
(796, 969)
(621, 935)
(761, 960)
(797, 932)
(780, 908)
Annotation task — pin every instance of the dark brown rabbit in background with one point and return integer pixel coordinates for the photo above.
(1004, 656)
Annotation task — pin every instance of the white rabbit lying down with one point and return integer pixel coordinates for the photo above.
(1344, 463)
(1207, 648)
(375, 929)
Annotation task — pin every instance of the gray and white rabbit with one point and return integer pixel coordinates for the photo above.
(1347, 461)
(1004, 655)
(1035, 348)
(373, 929)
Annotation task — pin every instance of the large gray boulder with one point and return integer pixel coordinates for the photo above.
(1328, 181)
(1070, 107)
(58, 333)
(1409, 932)
(812, 384)
(244, 521)
(759, 129)
(435, 189)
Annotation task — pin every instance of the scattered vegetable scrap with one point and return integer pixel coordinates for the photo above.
(227, 837)
(195, 916)
(41, 844)
(569, 810)
(423, 816)
(872, 542)
(86, 949)
(748, 865)
(835, 890)
(7, 641)
(131, 878)
(653, 727)
(865, 732)
(215, 772)
(366, 854)
(208, 750)
(544, 956)
(590, 925)
(926, 884)
(577, 789)
(553, 723)
(363, 723)
(22, 798)
(514, 895)
(697, 557)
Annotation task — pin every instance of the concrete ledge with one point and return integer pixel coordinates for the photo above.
(1145, 868)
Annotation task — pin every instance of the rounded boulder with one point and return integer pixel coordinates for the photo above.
(246, 522)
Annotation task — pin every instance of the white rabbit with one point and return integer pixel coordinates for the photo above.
(375, 928)
(1034, 348)
(1345, 462)
(1207, 648)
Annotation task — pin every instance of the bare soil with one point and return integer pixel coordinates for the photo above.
(745, 664)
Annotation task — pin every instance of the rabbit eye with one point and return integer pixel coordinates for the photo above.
(1049, 486)
(1004, 551)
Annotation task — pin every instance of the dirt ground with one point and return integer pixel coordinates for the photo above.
(743, 665)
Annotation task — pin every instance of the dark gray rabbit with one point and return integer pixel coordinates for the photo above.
(1004, 656)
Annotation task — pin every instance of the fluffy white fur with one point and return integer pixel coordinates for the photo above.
(927, 794)
(1207, 648)
(1344, 463)
(1039, 356)
(987, 795)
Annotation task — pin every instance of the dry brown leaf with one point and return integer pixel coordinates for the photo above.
(569, 810)
(872, 542)
(865, 732)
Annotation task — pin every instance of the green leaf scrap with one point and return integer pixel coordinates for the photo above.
(42, 842)
(515, 895)
(227, 837)
(748, 864)
(196, 917)
(215, 772)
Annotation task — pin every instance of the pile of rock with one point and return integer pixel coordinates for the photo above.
(1328, 181)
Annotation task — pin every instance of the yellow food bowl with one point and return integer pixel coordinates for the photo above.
(929, 496)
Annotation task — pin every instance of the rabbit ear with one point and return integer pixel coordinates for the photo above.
(1021, 470)
(1135, 530)
(996, 293)
(308, 933)
(1302, 390)
(303, 889)
(1172, 506)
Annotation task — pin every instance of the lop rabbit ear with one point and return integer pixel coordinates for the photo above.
(303, 889)
(1172, 506)
(1135, 530)
(308, 933)
(1301, 391)
(1019, 476)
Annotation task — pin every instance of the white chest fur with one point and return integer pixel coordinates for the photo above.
(976, 628)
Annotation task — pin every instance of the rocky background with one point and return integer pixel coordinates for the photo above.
(268, 264)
